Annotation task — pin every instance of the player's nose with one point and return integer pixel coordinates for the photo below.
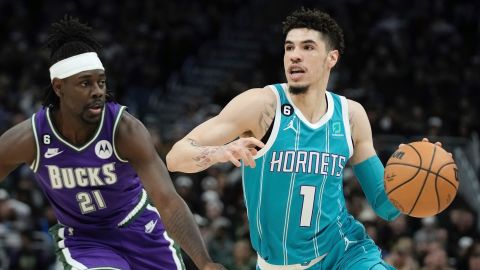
(295, 56)
(97, 90)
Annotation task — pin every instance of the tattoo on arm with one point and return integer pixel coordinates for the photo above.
(193, 142)
(203, 159)
(267, 116)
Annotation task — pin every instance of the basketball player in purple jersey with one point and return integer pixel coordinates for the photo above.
(96, 164)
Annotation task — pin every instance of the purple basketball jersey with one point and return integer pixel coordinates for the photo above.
(88, 186)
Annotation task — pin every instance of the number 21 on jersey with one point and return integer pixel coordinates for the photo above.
(87, 204)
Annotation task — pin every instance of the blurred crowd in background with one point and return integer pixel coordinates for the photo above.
(412, 64)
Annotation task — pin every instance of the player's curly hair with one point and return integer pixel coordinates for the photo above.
(317, 20)
(67, 38)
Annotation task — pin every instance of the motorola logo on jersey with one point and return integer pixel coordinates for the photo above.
(310, 162)
(103, 149)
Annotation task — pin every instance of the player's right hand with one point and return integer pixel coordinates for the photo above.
(242, 149)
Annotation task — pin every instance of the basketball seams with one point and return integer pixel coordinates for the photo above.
(413, 177)
(424, 181)
(405, 182)
(437, 194)
(444, 178)
(437, 174)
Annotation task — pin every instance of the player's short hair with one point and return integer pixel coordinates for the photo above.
(317, 20)
(67, 38)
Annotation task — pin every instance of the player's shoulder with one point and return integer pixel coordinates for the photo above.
(129, 124)
(259, 96)
(248, 105)
(354, 105)
(19, 140)
(259, 93)
(355, 108)
(21, 131)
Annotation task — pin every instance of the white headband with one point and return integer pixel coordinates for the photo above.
(75, 64)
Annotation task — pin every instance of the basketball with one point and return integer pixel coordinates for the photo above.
(421, 179)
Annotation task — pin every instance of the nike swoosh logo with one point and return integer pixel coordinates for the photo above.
(150, 226)
(50, 155)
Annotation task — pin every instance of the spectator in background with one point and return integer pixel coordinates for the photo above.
(242, 256)
(473, 256)
(402, 256)
(221, 243)
(436, 258)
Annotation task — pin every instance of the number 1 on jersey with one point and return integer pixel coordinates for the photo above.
(308, 193)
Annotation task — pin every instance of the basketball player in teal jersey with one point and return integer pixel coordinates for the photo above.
(306, 134)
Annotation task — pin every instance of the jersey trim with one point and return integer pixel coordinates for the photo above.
(176, 252)
(266, 266)
(142, 203)
(324, 119)
(117, 120)
(62, 251)
(244, 191)
(289, 201)
(60, 138)
(259, 221)
(320, 196)
(276, 125)
(346, 123)
(36, 161)
(104, 268)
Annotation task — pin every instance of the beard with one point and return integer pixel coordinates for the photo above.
(297, 90)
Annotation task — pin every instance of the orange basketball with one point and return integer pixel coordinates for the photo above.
(421, 179)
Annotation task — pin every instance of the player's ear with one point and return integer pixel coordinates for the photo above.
(332, 58)
(57, 86)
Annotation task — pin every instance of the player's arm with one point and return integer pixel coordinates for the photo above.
(134, 144)
(247, 116)
(367, 166)
(17, 146)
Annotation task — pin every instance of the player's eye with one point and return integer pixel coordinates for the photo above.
(289, 48)
(84, 83)
(102, 83)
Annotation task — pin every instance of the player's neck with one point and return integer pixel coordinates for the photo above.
(73, 129)
(313, 103)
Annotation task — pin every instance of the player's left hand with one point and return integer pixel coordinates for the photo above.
(214, 266)
(439, 144)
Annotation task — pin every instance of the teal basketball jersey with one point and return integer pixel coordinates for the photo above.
(294, 195)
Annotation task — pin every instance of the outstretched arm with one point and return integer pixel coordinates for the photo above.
(367, 166)
(17, 146)
(135, 145)
(247, 116)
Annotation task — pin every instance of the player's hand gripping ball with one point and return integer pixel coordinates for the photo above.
(421, 179)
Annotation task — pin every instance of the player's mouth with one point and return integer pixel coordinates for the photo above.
(96, 107)
(296, 72)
